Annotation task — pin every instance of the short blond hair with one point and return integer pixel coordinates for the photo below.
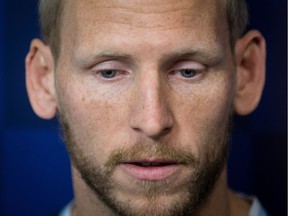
(51, 11)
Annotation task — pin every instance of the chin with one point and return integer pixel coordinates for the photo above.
(154, 204)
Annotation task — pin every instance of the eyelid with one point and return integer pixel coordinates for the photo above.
(176, 71)
(109, 65)
(120, 69)
(188, 64)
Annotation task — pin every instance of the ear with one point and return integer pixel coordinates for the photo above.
(40, 79)
(250, 51)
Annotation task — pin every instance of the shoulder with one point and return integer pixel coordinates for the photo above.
(256, 208)
(67, 210)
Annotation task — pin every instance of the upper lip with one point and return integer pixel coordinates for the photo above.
(151, 161)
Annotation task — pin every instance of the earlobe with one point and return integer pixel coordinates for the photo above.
(40, 79)
(250, 51)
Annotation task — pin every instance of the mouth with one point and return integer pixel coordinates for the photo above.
(151, 169)
(152, 164)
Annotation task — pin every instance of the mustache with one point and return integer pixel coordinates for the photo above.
(150, 149)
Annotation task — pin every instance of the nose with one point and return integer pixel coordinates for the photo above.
(150, 113)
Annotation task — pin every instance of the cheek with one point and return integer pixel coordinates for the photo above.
(204, 117)
(95, 119)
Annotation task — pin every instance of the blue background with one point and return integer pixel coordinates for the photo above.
(34, 167)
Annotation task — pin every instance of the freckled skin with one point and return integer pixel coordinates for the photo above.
(133, 38)
(148, 101)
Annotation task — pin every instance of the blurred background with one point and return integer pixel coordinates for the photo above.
(34, 166)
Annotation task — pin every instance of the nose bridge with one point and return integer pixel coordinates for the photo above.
(151, 114)
(150, 94)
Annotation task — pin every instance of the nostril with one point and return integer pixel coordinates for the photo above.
(137, 129)
(166, 130)
(152, 129)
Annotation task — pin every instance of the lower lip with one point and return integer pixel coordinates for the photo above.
(156, 173)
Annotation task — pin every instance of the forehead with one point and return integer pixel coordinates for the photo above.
(142, 20)
(102, 9)
(143, 13)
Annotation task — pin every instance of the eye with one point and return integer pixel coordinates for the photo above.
(188, 70)
(109, 74)
(188, 73)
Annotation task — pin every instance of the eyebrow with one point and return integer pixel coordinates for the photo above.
(211, 57)
(83, 61)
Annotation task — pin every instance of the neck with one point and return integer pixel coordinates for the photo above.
(85, 201)
(218, 200)
(221, 201)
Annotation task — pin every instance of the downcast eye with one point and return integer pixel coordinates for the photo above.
(188, 73)
(108, 74)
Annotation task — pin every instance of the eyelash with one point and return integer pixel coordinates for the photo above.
(184, 73)
(191, 73)
(195, 73)
(110, 73)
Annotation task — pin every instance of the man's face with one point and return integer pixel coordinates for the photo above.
(145, 92)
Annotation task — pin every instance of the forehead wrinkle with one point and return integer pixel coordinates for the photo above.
(146, 13)
(127, 10)
(142, 6)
